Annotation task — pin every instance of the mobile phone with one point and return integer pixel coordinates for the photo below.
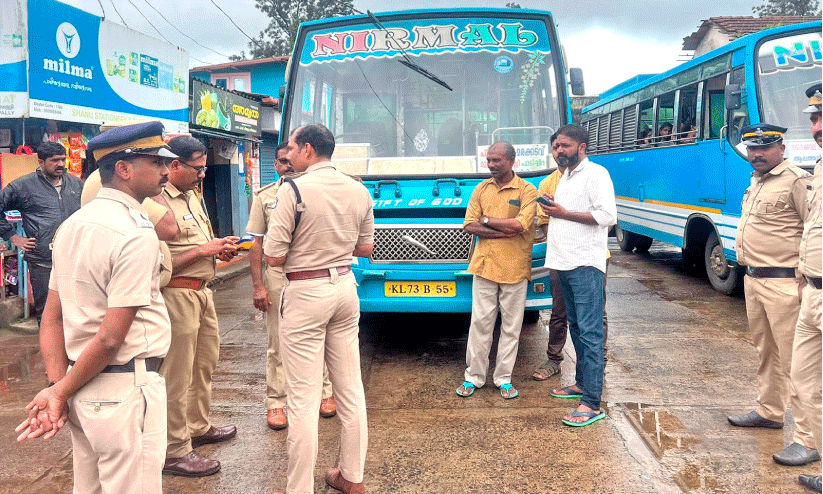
(544, 201)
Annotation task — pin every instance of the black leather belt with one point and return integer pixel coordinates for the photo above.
(770, 272)
(152, 365)
(815, 282)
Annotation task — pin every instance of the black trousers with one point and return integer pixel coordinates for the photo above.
(39, 276)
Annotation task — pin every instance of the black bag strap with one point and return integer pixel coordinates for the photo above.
(300, 206)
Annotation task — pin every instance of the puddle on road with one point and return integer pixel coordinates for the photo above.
(677, 449)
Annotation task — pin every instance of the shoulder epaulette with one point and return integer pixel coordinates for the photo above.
(801, 173)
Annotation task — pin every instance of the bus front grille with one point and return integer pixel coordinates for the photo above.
(429, 244)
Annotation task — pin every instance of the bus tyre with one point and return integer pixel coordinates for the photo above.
(625, 239)
(722, 275)
(642, 243)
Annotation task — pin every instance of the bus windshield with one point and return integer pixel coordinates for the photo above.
(428, 96)
(785, 68)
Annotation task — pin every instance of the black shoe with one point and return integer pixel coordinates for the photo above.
(811, 482)
(753, 419)
(796, 454)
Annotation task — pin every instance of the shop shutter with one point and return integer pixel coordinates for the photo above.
(268, 173)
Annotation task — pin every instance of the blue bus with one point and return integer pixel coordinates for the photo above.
(671, 142)
(414, 100)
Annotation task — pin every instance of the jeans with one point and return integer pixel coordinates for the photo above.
(583, 289)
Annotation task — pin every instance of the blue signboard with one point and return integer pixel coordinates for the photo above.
(85, 69)
(13, 98)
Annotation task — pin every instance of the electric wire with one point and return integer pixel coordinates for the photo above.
(101, 8)
(235, 24)
(118, 13)
(411, 139)
(161, 34)
(181, 32)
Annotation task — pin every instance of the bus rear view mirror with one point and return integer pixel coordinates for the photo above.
(733, 96)
(576, 81)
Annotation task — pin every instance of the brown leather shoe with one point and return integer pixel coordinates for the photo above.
(214, 435)
(276, 418)
(328, 408)
(191, 465)
(335, 480)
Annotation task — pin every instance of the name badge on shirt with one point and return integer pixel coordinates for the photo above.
(515, 202)
(188, 217)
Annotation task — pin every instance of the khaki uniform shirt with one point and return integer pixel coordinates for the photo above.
(810, 250)
(771, 218)
(107, 255)
(195, 229)
(338, 217)
(547, 186)
(155, 210)
(260, 216)
(503, 260)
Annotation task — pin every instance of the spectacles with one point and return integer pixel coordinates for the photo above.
(197, 169)
(283, 161)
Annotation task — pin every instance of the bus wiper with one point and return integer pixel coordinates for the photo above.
(407, 61)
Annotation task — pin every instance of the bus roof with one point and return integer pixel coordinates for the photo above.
(628, 87)
(452, 12)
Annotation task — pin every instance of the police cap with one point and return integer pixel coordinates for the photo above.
(815, 99)
(762, 134)
(144, 139)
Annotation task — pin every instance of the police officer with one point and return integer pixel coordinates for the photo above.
(320, 308)
(267, 299)
(806, 355)
(768, 238)
(105, 328)
(195, 339)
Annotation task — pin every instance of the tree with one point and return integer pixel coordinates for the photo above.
(513, 5)
(787, 7)
(286, 16)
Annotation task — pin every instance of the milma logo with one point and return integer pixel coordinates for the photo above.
(68, 42)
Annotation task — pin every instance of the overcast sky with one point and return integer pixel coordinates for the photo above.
(611, 41)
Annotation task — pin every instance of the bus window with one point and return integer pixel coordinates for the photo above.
(738, 118)
(714, 106)
(630, 128)
(665, 119)
(687, 132)
(646, 123)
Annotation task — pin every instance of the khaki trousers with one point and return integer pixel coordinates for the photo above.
(189, 365)
(320, 322)
(487, 296)
(806, 359)
(275, 375)
(118, 433)
(772, 307)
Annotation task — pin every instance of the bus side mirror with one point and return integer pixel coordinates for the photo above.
(282, 95)
(733, 96)
(576, 81)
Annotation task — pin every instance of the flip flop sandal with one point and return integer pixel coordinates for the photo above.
(510, 390)
(567, 394)
(547, 370)
(593, 417)
(468, 389)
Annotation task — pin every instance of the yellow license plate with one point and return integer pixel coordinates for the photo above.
(421, 289)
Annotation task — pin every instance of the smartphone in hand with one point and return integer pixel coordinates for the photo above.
(544, 201)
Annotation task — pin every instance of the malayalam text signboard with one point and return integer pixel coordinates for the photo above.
(219, 109)
(13, 87)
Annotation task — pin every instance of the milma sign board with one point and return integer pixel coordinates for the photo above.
(85, 69)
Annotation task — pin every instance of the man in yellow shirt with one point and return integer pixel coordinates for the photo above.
(501, 214)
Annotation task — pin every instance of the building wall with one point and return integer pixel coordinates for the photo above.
(714, 39)
(265, 79)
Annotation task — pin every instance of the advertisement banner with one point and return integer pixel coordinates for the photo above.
(85, 69)
(530, 157)
(220, 109)
(13, 88)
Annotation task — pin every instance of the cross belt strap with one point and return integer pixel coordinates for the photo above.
(815, 282)
(770, 272)
(152, 365)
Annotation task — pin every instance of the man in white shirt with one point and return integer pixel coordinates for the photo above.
(582, 211)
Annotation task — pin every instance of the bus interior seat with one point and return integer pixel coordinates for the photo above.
(373, 133)
(450, 138)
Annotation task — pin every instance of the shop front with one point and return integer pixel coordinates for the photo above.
(64, 72)
(228, 123)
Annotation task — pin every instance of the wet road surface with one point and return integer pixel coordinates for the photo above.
(680, 360)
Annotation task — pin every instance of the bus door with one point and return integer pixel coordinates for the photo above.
(713, 149)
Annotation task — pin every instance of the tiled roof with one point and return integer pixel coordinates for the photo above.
(736, 27)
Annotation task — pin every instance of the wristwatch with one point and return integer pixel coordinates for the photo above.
(485, 220)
